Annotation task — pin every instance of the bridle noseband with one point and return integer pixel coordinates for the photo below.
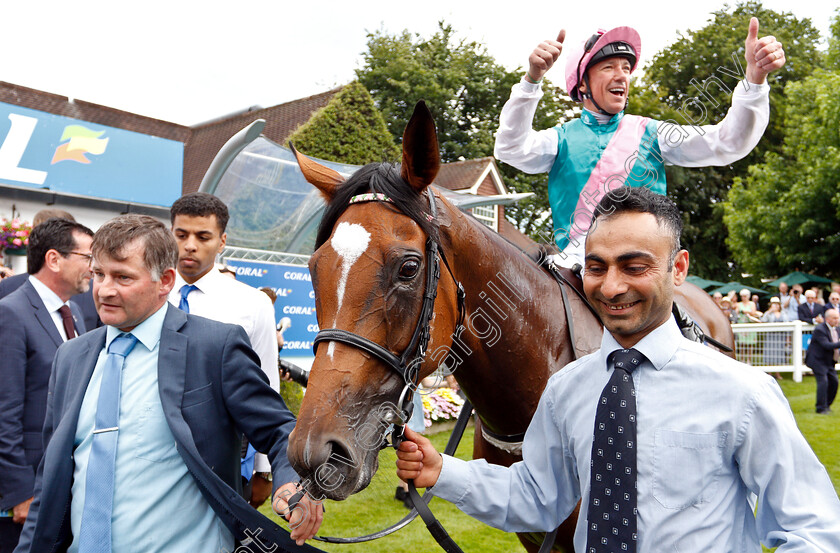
(408, 364)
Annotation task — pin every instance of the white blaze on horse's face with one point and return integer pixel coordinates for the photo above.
(350, 240)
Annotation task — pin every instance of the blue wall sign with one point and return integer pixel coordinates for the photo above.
(295, 300)
(46, 151)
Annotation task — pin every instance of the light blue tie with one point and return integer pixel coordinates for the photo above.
(95, 535)
(185, 291)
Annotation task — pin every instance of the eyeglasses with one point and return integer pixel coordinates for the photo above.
(87, 256)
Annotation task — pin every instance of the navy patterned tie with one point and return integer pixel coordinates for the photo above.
(611, 523)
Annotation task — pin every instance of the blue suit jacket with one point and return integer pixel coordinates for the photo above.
(84, 300)
(804, 312)
(28, 341)
(211, 387)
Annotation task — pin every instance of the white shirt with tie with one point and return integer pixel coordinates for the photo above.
(53, 303)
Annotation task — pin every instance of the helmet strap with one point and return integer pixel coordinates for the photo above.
(589, 96)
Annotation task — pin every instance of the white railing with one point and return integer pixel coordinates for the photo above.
(773, 347)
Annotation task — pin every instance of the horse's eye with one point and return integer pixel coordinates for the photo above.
(409, 269)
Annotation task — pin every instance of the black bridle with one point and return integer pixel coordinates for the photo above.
(407, 365)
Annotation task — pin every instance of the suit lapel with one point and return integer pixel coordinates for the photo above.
(41, 315)
(172, 363)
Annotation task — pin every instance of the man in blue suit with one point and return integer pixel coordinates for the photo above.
(34, 320)
(144, 421)
(83, 301)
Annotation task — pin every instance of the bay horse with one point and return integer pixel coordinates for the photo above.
(372, 253)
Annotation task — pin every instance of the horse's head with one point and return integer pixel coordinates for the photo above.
(369, 273)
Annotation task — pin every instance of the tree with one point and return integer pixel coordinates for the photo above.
(349, 129)
(690, 82)
(465, 90)
(784, 215)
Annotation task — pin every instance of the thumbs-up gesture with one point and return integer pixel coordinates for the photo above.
(544, 56)
(763, 54)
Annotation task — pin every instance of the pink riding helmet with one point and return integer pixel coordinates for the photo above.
(621, 41)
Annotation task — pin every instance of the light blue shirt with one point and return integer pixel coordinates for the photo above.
(157, 504)
(717, 442)
(792, 310)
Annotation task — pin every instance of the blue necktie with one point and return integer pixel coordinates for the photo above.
(185, 291)
(95, 536)
(611, 522)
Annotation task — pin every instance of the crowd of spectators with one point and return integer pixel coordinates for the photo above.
(791, 304)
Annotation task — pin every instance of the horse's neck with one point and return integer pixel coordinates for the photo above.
(515, 331)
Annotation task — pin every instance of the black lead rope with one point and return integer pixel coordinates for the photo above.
(420, 503)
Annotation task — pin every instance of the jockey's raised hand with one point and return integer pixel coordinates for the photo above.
(763, 54)
(544, 56)
(418, 460)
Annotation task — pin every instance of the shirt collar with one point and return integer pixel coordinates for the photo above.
(658, 347)
(591, 118)
(51, 300)
(207, 284)
(147, 332)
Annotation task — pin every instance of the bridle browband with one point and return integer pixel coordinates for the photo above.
(407, 364)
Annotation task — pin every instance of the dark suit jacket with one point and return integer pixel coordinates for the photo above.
(805, 312)
(821, 349)
(211, 387)
(84, 300)
(28, 341)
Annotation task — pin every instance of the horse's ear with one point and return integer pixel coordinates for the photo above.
(320, 176)
(421, 154)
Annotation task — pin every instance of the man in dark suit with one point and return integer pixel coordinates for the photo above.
(34, 320)
(132, 440)
(84, 300)
(822, 356)
(810, 311)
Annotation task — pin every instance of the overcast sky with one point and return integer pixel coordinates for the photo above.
(187, 61)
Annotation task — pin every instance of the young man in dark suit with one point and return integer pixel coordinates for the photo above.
(34, 320)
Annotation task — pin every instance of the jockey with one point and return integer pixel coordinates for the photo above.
(605, 148)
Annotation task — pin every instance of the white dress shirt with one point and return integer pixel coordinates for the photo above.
(226, 300)
(530, 151)
(721, 462)
(52, 302)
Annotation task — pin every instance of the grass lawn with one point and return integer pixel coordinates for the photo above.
(376, 508)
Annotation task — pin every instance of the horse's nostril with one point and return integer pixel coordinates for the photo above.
(339, 454)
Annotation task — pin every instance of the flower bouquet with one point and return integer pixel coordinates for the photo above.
(440, 405)
(14, 234)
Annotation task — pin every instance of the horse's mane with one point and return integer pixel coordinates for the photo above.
(381, 178)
